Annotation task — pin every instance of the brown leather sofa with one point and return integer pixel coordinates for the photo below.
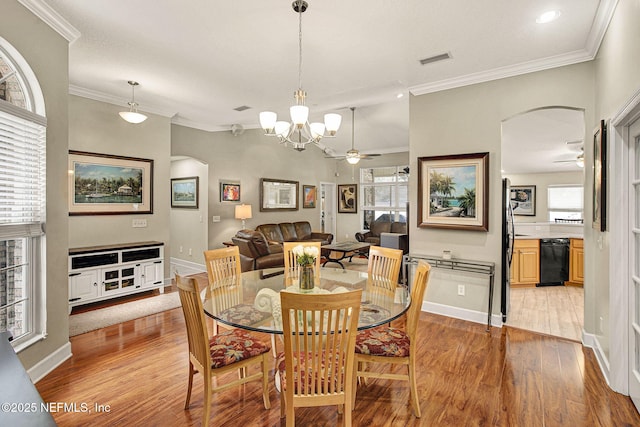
(377, 228)
(293, 232)
(255, 251)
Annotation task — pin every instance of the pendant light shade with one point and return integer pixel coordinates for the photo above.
(132, 116)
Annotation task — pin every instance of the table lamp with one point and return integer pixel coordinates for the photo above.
(243, 212)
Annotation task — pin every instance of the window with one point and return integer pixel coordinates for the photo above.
(565, 202)
(384, 193)
(22, 200)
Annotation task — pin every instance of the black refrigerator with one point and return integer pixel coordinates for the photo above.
(508, 235)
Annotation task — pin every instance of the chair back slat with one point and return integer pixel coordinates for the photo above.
(197, 332)
(291, 267)
(418, 289)
(383, 269)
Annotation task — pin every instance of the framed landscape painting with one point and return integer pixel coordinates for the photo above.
(104, 184)
(348, 198)
(523, 199)
(184, 192)
(453, 192)
(308, 196)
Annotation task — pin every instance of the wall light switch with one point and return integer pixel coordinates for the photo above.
(139, 223)
(216, 218)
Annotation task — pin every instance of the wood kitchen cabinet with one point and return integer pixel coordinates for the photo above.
(576, 262)
(525, 264)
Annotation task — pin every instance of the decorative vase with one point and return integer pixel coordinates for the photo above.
(306, 278)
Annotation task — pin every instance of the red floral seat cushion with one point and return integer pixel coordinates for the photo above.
(389, 342)
(310, 377)
(233, 346)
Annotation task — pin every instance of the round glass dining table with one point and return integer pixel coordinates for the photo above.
(255, 304)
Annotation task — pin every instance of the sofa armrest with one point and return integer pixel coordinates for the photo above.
(325, 237)
(361, 237)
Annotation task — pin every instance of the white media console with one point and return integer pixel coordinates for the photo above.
(101, 272)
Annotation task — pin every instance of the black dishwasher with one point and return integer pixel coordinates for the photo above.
(554, 262)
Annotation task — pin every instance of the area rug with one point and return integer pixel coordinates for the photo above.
(96, 319)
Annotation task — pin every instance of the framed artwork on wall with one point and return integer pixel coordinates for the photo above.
(278, 195)
(453, 192)
(105, 184)
(229, 191)
(348, 198)
(523, 199)
(309, 196)
(600, 177)
(184, 192)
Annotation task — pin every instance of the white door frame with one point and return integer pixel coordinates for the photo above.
(619, 283)
(328, 208)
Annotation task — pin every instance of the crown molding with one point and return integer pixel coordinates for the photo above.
(52, 18)
(176, 120)
(600, 24)
(503, 72)
(110, 99)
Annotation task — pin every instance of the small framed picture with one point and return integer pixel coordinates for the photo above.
(229, 191)
(523, 199)
(184, 192)
(348, 198)
(309, 196)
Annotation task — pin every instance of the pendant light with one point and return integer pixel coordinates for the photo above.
(132, 116)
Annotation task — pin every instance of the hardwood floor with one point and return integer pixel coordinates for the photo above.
(137, 371)
(551, 310)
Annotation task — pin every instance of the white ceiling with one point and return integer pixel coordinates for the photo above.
(197, 60)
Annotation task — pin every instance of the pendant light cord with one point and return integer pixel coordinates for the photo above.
(300, 44)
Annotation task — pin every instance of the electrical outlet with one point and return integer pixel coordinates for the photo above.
(180, 249)
(216, 218)
(461, 290)
(190, 252)
(139, 223)
(601, 325)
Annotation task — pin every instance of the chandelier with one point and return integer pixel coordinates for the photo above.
(132, 116)
(299, 132)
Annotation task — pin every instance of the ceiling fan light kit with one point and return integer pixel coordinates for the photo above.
(299, 132)
(132, 116)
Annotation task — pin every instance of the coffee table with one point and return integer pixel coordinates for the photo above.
(344, 250)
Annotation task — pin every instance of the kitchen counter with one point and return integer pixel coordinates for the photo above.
(549, 235)
(546, 230)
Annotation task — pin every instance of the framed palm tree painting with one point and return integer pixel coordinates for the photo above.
(453, 192)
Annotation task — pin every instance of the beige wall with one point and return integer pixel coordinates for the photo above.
(247, 158)
(542, 181)
(468, 120)
(47, 54)
(189, 227)
(96, 127)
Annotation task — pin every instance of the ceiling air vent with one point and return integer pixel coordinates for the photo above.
(242, 108)
(435, 58)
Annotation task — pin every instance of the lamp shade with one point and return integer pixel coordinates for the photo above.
(133, 116)
(243, 212)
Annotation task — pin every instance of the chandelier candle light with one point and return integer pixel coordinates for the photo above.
(299, 132)
(306, 258)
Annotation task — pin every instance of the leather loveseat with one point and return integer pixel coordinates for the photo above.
(293, 232)
(377, 228)
(255, 251)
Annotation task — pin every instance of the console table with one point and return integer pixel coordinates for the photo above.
(101, 272)
(469, 266)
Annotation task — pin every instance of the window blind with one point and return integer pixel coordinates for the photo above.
(565, 197)
(22, 169)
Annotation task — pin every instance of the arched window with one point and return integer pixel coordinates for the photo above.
(22, 200)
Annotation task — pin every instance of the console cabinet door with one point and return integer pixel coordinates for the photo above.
(151, 273)
(83, 286)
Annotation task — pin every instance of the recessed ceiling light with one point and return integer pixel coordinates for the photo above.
(400, 95)
(548, 16)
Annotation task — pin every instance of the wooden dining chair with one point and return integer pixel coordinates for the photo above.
(291, 267)
(316, 368)
(225, 288)
(383, 270)
(393, 345)
(222, 353)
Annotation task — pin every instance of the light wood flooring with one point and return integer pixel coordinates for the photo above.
(551, 310)
(137, 371)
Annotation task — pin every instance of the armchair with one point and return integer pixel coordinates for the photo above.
(255, 252)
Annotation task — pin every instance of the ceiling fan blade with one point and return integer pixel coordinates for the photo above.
(365, 156)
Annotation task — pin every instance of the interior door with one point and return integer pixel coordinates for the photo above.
(634, 263)
(328, 199)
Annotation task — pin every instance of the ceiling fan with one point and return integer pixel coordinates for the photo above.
(579, 159)
(353, 156)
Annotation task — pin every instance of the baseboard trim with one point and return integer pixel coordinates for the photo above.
(461, 313)
(185, 268)
(49, 363)
(591, 341)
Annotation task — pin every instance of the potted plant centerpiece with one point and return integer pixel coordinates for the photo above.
(306, 259)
